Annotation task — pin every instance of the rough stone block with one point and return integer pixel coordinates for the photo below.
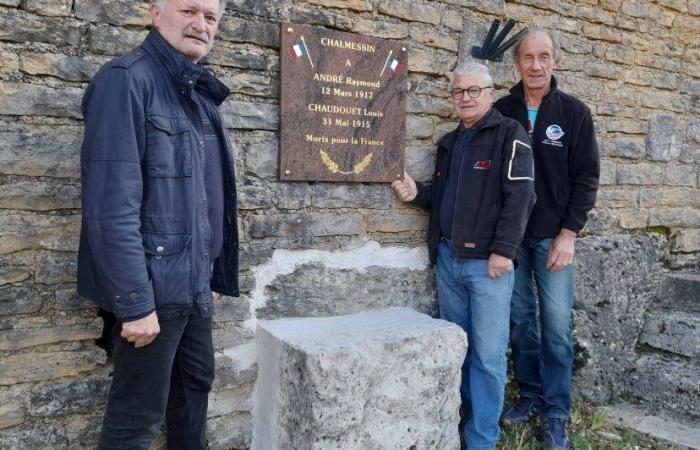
(663, 382)
(681, 175)
(260, 151)
(673, 331)
(23, 232)
(434, 88)
(687, 240)
(352, 196)
(35, 436)
(71, 68)
(431, 61)
(50, 7)
(321, 17)
(230, 334)
(639, 174)
(616, 277)
(56, 267)
(394, 222)
(680, 196)
(83, 431)
(291, 196)
(355, 5)
(250, 116)
(680, 291)
(420, 161)
(39, 196)
(231, 308)
(24, 298)
(403, 391)
(115, 13)
(19, 338)
(316, 290)
(16, 267)
(70, 396)
(664, 138)
(617, 197)
(380, 28)
(304, 225)
(236, 367)
(254, 197)
(233, 431)
(237, 29)
(421, 104)
(231, 55)
(419, 11)
(486, 6)
(54, 152)
(67, 299)
(419, 127)
(433, 37)
(674, 217)
(625, 148)
(230, 401)
(607, 172)
(631, 219)
(23, 368)
(18, 26)
(29, 99)
(108, 40)
(252, 84)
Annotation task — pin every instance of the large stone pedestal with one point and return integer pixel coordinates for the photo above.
(374, 380)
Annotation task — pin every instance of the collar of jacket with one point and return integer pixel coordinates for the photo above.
(185, 74)
(519, 91)
(490, 119)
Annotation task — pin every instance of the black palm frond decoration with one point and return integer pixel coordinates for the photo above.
(493, 47)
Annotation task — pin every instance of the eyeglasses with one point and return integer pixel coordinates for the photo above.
(472, 92)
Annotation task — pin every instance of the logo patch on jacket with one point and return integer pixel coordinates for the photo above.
(482, 164)
(553, 133)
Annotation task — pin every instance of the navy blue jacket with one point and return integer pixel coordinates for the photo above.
(495, 192)
(144, 240)
(567, 164)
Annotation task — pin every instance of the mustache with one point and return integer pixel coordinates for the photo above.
(200, 37)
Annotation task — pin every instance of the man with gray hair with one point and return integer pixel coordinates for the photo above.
(479, 200)
(159, 224)
(567, 166)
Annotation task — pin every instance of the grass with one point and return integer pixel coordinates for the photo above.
(588, 430)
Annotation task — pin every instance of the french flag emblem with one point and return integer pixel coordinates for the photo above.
(298, 50)
(393, 64)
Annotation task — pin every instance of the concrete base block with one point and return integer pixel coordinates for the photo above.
(374, 380)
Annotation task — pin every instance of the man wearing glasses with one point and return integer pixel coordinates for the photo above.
(566, 158)
(479, 201)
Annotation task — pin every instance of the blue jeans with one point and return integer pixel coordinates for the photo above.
(542, 351)
(171, 376)
(481, 306)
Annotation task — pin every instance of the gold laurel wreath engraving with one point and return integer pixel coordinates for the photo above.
(334, 168)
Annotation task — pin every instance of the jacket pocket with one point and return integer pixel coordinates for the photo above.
(168, 150)
(170, 267)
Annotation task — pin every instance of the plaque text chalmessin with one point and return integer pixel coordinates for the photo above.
(343, 101)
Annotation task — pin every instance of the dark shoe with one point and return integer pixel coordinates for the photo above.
(524, 410)
(555, 434)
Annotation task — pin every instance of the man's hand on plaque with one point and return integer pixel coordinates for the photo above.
(405, 189)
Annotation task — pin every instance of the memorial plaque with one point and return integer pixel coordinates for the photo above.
(343, 102)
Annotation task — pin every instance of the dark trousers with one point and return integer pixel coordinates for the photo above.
(172, 376)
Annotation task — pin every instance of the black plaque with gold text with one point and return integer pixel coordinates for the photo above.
(343, 102)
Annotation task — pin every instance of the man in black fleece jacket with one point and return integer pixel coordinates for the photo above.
(480, 197)
(566, 182)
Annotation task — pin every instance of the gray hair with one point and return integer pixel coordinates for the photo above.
(472, 68)
(161, 4)
(556, 45)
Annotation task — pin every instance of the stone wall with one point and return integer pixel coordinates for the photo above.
(322, 249)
